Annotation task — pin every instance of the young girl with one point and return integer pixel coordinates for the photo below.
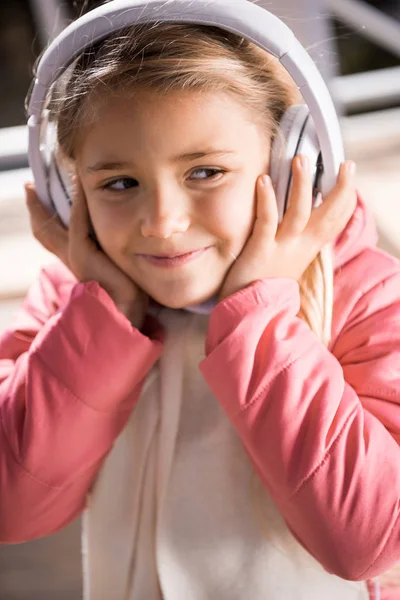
(231, 428)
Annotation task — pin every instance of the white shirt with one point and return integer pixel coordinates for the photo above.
(177, 512)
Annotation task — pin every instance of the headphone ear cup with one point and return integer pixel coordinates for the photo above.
(58, 182)
(309, 146)
(296, 135)
(60, 190)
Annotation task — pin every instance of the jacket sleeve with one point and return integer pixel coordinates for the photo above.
(69, 378)
(320, 427)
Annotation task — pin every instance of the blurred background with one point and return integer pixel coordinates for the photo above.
(356, 45)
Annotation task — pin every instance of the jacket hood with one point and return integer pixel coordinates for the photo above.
(359, 234)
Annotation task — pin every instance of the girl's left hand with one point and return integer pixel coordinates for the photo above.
(287, 249)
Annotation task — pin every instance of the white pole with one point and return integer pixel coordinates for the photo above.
(369, 21)
(309, 21)
(368, 90)
(50, 16)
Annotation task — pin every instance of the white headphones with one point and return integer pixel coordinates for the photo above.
(311, 129)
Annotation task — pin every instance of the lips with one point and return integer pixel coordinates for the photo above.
(177, 255)
(174, 259)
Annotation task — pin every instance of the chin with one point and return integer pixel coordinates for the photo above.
(182, 300)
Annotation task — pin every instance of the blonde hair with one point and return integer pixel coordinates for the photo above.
(168, 57)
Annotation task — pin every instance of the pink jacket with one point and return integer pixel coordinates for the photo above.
(72, 366)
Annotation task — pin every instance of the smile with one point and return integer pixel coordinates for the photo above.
(176, 260)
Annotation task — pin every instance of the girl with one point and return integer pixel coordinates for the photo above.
(231, 428)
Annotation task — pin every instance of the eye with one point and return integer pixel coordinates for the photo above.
(120, 185)
(206, 173)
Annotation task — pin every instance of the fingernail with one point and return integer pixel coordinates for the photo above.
(305, 163)
(266, 181)
(350, 167)
(29, 196)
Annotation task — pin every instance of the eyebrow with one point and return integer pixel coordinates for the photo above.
(108, 166)
(118, 165)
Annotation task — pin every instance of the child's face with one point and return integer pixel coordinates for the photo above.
(181, 175)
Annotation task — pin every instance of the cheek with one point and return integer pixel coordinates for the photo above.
(111, 223)
(231, 215)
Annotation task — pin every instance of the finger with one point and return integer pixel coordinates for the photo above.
(79, 225)
(331, 217)
(300, 199)
(266, 223)
(46, 228)
(37, 210)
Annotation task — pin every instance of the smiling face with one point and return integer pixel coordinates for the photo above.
(170, 185)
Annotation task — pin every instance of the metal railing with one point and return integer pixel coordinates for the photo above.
(50, 16)
(368, 90)
(371, 22)
(371, 89)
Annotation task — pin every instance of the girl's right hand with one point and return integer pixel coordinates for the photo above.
(82, 255)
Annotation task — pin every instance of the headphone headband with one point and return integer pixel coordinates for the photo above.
(241, 17)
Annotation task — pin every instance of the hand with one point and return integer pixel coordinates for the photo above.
(82, 255)
(287, 249)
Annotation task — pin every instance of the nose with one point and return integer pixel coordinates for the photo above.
(167, 213)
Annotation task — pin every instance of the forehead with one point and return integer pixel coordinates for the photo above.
(146, 118)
